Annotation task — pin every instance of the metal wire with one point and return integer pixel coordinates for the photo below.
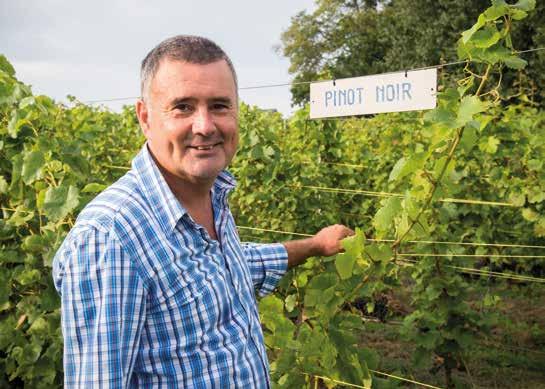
(409, 262)
(462, 269)
(387, 194)
(376, 372)
(310, 82)
(404, 379)
(469, 255)
(409, 241)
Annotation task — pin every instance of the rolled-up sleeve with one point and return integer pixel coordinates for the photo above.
(267, 263)
(103, 310)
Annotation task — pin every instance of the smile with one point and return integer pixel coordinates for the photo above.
(204, 147)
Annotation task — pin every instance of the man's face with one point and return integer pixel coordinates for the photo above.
(190, 119)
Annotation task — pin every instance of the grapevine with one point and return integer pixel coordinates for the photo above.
(475, 144)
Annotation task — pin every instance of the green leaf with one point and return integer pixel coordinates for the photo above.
(525, 5)
(27, 101)
(271, 304)
(517, 14)
(320, 289)
(469, 106)
(5, 288)
(5, 66)
(378, 252)
(302, 278)
(386, 214)
(290, 302)
(33, 163)
(16, 122)
(497, 10)
(539, 227)
(397, 168)
(33, 244)
(463, 88)
(536, 195)
(353, 245)
(486, 37)
(494, 54)
(323, 281)
(515, 62)
(60, 201)
(404, 167)
(517, 199)
(469, 138)
(533, 164)
(3, 185)
(429, 339)
(39, 327)
(28, 277)
(94, 188)
(441, 116)
(490, 300)
(489, 145)
(344, 264)
(466, 35)
(20, 217)
(529, 214)
(484, 120)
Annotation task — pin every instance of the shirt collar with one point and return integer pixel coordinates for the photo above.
(163, 202)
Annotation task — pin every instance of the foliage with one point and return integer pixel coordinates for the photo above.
(54, 160)
(473, 146)
(342, 38)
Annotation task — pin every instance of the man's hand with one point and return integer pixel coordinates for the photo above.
(328, 239)
(325, 243)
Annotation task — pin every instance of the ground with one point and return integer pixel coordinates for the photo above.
(511, 356)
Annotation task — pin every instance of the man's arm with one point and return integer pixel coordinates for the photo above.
(103, 310)
(269, 262)
(325, 243)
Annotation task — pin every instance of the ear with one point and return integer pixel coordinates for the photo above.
(142, 114)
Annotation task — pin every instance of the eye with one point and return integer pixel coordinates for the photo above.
(220, 107)
(183, 108)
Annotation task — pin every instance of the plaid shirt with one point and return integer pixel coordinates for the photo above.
(150, 300)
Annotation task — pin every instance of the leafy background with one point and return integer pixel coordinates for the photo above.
(55, 159)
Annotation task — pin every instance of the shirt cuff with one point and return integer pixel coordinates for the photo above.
(274, 259)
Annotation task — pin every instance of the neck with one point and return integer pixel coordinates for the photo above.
(191, 194)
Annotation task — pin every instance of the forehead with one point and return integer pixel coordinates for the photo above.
(180, 79)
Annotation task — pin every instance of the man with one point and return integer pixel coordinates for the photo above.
(157, 289)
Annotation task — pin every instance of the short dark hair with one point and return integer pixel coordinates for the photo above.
(187, 48)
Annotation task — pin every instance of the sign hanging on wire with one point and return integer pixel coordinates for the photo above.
(391, 92)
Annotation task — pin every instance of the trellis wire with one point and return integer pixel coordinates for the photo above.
(477, 244)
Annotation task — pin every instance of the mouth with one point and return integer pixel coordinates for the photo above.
(204, 147)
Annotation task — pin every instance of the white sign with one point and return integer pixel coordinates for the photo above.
(391, 92)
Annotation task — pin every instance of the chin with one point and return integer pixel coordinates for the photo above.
(204, 175)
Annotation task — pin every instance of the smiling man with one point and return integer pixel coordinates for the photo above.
(157, 290)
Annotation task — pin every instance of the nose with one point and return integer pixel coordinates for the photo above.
(203, 122)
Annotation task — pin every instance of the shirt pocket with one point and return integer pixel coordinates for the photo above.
(183, 279)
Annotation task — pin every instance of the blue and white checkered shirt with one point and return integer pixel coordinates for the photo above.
(150, 300)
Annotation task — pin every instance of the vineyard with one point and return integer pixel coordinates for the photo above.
(442, 285)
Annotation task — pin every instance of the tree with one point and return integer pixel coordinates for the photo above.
(349, 38)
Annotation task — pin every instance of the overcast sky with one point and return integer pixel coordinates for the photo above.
(93, 49)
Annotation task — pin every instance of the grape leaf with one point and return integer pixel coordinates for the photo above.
(344, 263)
(33, 163)
(469, 106)
(385, 215)
(60, 201)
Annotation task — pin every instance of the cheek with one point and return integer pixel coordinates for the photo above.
(172, 136)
